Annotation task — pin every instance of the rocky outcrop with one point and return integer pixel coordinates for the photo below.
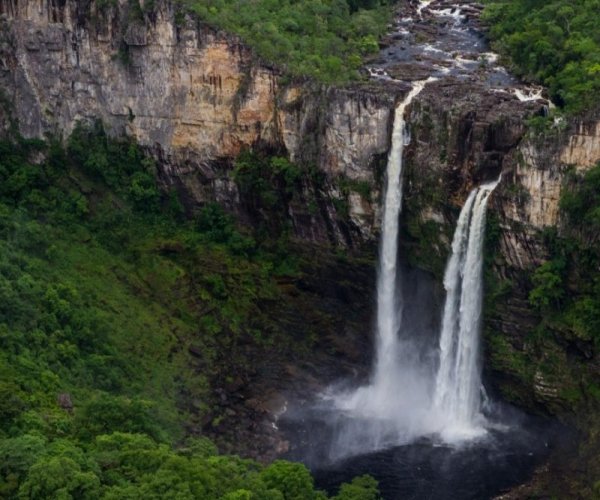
(582, 149)
(196, 97)
(193, 95)
(462, 135)
(542, 374)
(181, 87)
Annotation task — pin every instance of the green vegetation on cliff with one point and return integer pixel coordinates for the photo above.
(105, 289)
(553, 42)
(323, 39)
(554, 367)
(567, 287)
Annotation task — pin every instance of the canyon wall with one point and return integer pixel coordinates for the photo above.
(195, 97)
(463, 135)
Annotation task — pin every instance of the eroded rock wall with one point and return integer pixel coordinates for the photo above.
(541, 372)
(193, 95)
(196, 97)
(463, 135)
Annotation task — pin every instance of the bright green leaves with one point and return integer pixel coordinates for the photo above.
(361, 488)
(291, 479)
(548, 291)
(120, 163)
(101, 295)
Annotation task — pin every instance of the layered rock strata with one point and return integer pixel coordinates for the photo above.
(195, 97)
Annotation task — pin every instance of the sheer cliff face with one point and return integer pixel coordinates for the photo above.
(179, 87)
(460, 142)
(528, 201)
(194, 95)
(527, 207)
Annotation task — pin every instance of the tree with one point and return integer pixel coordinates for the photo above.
(59, 478)
(361, 488)
(292, 479)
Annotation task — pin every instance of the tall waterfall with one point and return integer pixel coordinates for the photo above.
(457, 396)
(388, 303)
(399, 389)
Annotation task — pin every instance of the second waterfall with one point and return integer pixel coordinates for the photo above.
(457, 397)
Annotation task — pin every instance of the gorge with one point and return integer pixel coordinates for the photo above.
(440, 117)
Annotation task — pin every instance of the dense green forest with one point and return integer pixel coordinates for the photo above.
(323, 39)
(104, 282)
(107, 281)
(553, 42)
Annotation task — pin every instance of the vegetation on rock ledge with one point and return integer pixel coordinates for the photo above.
(556, 43)
(323, 39)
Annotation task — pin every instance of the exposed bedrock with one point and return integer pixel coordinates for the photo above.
(196, 97)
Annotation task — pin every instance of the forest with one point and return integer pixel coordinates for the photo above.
(555, 43)
(323, 39)
(124, 307)
(92, 255)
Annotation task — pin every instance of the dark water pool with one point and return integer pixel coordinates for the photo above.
(426, 469)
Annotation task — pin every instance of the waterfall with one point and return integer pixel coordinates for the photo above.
(409, 395)
(457, 396)
(391, 408)
(388, 302)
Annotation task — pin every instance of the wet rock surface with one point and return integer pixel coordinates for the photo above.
(442, 39)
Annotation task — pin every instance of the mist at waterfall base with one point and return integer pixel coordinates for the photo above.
(409, 463)
(408, 395)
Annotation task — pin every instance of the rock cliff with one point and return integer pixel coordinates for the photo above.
(196, 97)
(193, 95)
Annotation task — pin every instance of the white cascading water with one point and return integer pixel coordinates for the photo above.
(398, 388)
(457, 396)
(388, 304)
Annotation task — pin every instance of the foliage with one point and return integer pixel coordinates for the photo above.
(581, 200)
(548, 291)
(292, 479)
(361, 488)
(120, 164)
(103, 286)
(567, 287)
(323, 39)
(554, 42)
(363, 188)
(262, 179)
(268, 185)
(123, 465)
(218, 227)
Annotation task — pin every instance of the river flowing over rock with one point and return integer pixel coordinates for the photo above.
(195, 97)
